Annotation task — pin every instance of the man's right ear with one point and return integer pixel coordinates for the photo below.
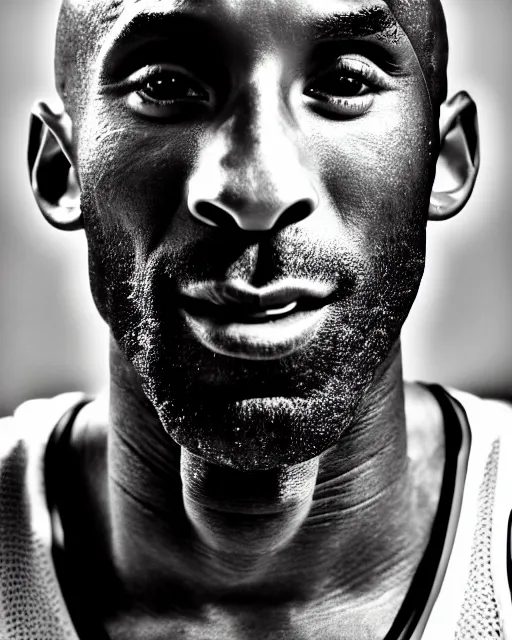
(52, 174)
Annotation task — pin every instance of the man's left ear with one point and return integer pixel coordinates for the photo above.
(51, 166)
(459, 157)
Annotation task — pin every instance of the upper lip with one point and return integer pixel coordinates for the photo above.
(239, 294)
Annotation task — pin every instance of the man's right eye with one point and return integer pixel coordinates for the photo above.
(167, 86)
(158, 91)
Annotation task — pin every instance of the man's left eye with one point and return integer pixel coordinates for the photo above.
(338, 85)
(348, 88)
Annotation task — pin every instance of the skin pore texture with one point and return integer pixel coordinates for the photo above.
(253, 478)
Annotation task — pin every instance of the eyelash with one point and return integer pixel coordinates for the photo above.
(138, 100)
(351, 68)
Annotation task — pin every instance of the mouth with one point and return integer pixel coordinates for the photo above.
(242, 321)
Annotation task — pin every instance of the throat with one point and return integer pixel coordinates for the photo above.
(243, 519)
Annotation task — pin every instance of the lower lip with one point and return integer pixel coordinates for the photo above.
(270, 340)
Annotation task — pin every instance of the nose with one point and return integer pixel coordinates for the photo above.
(252, 174)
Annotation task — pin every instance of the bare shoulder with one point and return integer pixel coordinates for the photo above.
(33, 421)
(489, 411)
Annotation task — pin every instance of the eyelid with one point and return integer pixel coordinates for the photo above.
(147, 72)
(361, 67)
(358, 68)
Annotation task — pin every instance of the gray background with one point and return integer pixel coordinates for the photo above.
(459, 332)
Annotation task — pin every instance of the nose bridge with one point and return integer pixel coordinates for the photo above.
(260, 153)
(260, 129)
(253, 167)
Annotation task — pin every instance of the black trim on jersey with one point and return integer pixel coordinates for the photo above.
(422, 583)
(58, 472)
(509, 553)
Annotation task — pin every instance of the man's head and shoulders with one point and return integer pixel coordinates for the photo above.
(254, 181)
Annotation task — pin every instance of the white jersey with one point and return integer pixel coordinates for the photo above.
(470, 596)
(472, 600)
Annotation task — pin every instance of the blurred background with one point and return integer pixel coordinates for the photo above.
(459, 331)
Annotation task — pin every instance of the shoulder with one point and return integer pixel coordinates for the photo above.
(24, 438)
(493, 417)
(30, 598)
(32, 423)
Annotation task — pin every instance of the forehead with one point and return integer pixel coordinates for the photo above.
(359, 15)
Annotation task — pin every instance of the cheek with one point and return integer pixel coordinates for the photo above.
(137, 173)
(133, 178)
(378, 170)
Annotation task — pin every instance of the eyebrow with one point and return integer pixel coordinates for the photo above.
(156, 23)
(365, 22)
(175, 23)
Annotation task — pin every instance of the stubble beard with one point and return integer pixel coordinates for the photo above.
(252, 414)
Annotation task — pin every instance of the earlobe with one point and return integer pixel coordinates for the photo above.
(459, 158)
(51, 167)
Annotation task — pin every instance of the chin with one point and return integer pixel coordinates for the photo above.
(254, 415)
(258, 433)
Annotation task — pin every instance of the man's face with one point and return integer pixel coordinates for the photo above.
(255, 181)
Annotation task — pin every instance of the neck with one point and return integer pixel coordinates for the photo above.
(179, 523)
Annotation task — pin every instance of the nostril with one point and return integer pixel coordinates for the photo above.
(295, 213)
(213, 215)
(256, 220)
